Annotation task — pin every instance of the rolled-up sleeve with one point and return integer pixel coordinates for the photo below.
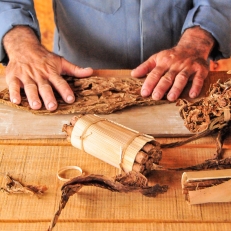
(215, 17)
(12, 13)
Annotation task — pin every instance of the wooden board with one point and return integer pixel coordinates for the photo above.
(160, 120)
(37, 162)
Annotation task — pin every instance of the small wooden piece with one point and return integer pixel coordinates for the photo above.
(207, 186)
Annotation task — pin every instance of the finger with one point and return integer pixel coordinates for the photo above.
(73, 70)
(163, 85)
(14, 89)
(31, 92)
(197, 83)
(151, 82)
(63, 88)
(144, 68)
(47, 94)
(180, 82)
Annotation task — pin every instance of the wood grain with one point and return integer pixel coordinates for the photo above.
(37, 162)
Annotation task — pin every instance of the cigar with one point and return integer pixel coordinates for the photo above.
(141, 157)
(138, 167)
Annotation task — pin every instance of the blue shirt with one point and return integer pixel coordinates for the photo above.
(122, 33)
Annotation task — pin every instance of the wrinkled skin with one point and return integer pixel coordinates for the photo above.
(37, 70)
(171, 69)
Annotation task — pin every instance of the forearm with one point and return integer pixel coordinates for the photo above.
(18, 40)
(197, 41)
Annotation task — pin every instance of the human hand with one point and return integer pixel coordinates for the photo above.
(37, 70)
(170, 70)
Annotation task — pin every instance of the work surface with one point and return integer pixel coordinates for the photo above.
(158, 120)
(36, 161)
(13, 125)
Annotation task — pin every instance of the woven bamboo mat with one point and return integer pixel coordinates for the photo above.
(152, 226)
(38, 163)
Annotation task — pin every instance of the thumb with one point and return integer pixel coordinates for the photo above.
(73, 70)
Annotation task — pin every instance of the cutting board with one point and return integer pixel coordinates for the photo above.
(159, 121)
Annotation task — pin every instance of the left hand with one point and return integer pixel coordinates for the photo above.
(170, 70)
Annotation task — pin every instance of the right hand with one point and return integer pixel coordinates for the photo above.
(37, 70)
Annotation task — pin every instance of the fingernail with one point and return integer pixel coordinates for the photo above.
(87, 68)
(156, 96)
(35, 103)
(171, 96)
(51, 105)
(70, 99)
(14, 101)
(193, 95)
(132, 71)
(145, 92)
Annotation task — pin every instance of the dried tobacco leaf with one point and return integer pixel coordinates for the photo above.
(99, 95)
(206, 116)
(208, 113)
(14, 187)
(130, 182)
(211, 164)
(218, 162)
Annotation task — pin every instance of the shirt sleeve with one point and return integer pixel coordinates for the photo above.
(13, 13)
(215, 17)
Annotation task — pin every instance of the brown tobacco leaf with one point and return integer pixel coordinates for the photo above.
(212, 164)
(14, 187)
(100, 95)
(210, 112)
(218, 162)
(131, 182)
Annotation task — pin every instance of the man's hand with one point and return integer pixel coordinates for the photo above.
(37, 70)
(170, 70)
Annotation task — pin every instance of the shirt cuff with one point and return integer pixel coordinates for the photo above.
(15, 17)
(217, 24)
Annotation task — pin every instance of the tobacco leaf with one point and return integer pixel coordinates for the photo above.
(218, 162)
(14, 186)
(99, 95)
(131, 182)
(208, 113)
(201, 184)
(211, 164)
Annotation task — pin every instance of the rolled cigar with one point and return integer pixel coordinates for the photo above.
(149, 164)
(141, 157)
(135, 156)
(138, 167)
(156, 155)
(147, 147)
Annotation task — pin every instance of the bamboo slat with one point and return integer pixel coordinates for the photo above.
(111, 142)
(37, 162)
(125, 226)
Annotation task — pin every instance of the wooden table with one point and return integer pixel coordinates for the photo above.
(36, 161)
